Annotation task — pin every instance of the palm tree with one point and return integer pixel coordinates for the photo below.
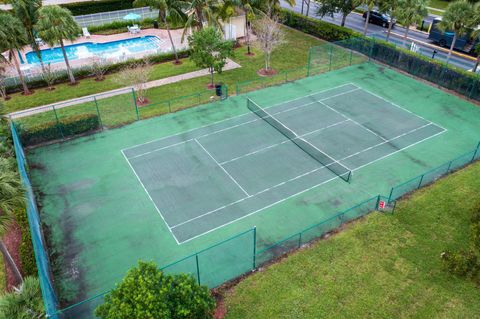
(476, 33)
(200, 12)
(24, 302)
(457, 18)
(13, 38)
(27, 12)
(370, 4)
(410, 12)
(12, 197)
(390, 7)
(55, 25)
(167, 10)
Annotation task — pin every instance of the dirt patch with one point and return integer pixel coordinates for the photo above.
(265, 72)
(221, 310)
(13, 240)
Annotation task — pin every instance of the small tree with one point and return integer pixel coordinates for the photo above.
(210, 50)
(146, 292)
(137, 75)
(458, 18)
(13, 38)
(24, 302)
(269, 36)
(345, 7)
(390, 7)
(369, 4)
(411, 11)
(99, 67)
(49, 76)
(55, 25)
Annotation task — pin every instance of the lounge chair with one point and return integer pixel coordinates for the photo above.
(86, 34)
(133, 29)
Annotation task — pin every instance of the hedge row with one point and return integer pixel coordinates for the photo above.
(81, 8)
(27, 256)
(450, 77)
(318, 28)
(49, 131)
(85, 72)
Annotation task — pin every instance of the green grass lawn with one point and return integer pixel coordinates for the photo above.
(384, 266)
(292, 54)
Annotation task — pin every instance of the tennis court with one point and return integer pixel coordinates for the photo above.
(203, 179)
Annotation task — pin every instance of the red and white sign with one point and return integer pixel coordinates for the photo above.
(381, 204)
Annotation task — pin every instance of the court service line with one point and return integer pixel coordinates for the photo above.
(317, 169)
(234, 126)
(361, 125)
(150, 197)
(283, 142)
(398, 106)
(230, 118)
(226, 172)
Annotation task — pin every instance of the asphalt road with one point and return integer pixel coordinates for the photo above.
(355, 22)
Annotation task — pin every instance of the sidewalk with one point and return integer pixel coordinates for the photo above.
(231, 65)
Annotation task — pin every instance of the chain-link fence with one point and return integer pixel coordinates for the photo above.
(38, 241)
(460, 81)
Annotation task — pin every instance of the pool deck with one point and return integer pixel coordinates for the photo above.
(165, 46)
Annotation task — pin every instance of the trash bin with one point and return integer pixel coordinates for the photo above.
(155, 24)
(218, 89)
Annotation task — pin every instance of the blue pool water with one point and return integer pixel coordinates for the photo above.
(88, 49)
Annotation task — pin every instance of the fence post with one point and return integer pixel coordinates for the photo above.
(308, 61)
(378, 201)
(299, 239)
(449, 165)
(198, 269)
(330, 54)
(135, 103)
(390, 196)
(476, 151)
(169, 107)
(236, 89)
(98, 112)
(421, 180)
(254, 247)
(351, 54)
(59, 127)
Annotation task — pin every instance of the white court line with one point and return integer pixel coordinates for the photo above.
(233, 117)
(396, 105)
(226, 172)
(319, 168)
(361, 125)
(236, 125)
(283, 142)
(148, 194)
(305, 190)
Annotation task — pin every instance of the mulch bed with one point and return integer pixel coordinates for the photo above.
(12, 240)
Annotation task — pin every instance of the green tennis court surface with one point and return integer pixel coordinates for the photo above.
(164, 188)
(209, 177)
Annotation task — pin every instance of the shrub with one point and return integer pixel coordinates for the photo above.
(27, 256)
(318, 28)
(81, 8)
(146, 292)
(48, 131)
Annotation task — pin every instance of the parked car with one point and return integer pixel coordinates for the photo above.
(376, 17)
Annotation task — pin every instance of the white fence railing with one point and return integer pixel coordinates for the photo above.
(109, 17)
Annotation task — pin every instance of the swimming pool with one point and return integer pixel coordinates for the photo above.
(114, 49)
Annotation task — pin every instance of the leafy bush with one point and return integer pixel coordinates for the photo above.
(48, 131)
(24, 302)
(318, 28)
(81, 8)
(146, 292)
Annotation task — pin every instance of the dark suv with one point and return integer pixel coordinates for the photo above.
(376, 17)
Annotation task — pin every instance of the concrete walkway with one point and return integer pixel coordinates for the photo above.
(104, 95)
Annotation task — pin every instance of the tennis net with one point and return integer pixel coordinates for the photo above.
(337, 168)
